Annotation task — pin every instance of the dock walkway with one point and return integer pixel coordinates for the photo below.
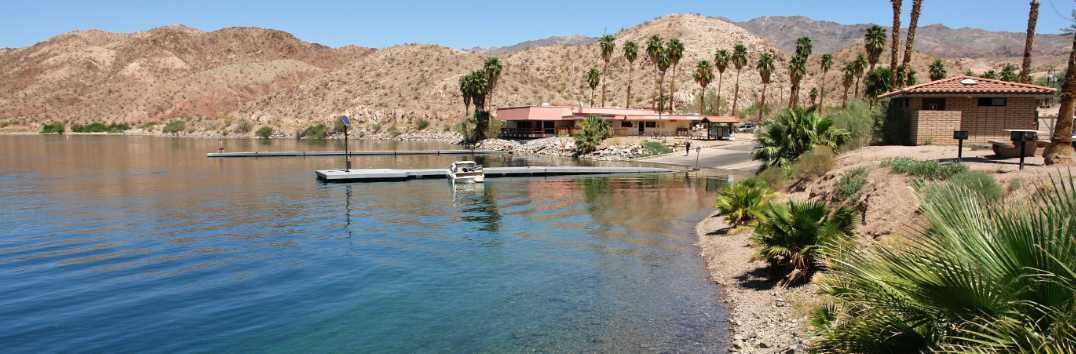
(341, 153)
(371, 175)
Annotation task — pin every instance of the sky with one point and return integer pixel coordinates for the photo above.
(466, 24)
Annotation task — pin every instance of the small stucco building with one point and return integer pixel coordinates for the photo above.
(985, 108)
(529, 122)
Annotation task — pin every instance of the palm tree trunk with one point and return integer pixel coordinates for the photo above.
(627, 104)
(1032, 21)
(592, 97)
(894, 42)
(702, 102)
(661, 92)
(791, 94)
(844, 102)
(822, 94)
(720, 78)
(858, 78)
(912, 24)
(605, 70)
(736, 93)
(762, 106)
(1060, 149)
(672, 88)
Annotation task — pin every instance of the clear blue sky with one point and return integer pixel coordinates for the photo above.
(464, 23)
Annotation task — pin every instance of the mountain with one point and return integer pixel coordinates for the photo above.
(936, 40)
(548, 41)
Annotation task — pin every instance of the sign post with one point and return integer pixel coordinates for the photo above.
(347, 154)
(960, 136)
(698, 151)
(1020, 138)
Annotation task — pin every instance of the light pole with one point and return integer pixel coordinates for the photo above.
(347, 155)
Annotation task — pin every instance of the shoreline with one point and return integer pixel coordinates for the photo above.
(763, 316)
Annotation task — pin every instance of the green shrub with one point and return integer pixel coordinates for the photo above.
(655, 148)
(776, 178)
(592, 132)
(338, 126)
(98, 127)
(793, 235)
(850, 184)
(174, 127)
(314, 132)
(422, 124)
(929, 169)
(988, 278)
(243, 126)
(858, 119)
(52, 128)
(813, 164)
(743, 201)
(264, 132)
(979, 182)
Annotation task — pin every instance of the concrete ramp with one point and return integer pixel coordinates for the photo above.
(373, 175)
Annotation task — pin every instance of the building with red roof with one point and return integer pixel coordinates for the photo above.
(529, 122)
(985, 108)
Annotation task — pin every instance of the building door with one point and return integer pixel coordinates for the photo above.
(641, 129)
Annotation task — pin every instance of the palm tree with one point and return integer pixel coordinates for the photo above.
(894, 45)
(465, 92)
(721, 62)
(858, 66)
(765, 69)
(978, 278)
(739, 60)
(1060, 149)
(793, 132)
(849, 77)
(1032, 20)
(797, 69)
(631, 52)
(937, 70)
(608, 46)
(912, 24)
(675, 50)
(873, 44)
(493, 69)
(704, 74)
(594, 77)
(825, 64)
(794, 234)
(655, 49)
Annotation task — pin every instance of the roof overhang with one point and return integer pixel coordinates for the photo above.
(968, 95)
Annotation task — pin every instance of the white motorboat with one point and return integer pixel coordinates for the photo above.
(466, 172)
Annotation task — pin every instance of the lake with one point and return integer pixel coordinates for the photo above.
(141, 244)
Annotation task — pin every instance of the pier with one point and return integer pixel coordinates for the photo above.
(373, 175)
(341, 153)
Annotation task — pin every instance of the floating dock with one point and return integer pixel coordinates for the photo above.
(341, 153)
(372, 175)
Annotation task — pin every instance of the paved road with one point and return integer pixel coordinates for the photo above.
(735, 155)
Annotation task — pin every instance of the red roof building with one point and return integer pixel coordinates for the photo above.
(546, 121)
(985, 108)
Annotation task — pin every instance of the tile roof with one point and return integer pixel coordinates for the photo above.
(970, 85)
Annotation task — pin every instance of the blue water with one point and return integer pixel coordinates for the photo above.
(142, 245)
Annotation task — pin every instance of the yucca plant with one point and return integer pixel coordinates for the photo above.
(995, 278)
(794, 234)
(743, 201)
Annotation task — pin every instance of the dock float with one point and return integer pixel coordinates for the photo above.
(341, 153)
(373, 175)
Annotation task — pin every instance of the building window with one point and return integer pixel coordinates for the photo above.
(993, 102)
(933, 104)
(651, 124)
(625, 124)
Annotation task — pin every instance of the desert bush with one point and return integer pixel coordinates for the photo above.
(593, 131)
(813, 164)
(776, 178)
(52, 128)
(983, 185)
(655, 148)
(793, 235)
(98, 127)
(743, 201)
(850, 184)
(858, 119)
(314, 132)
(794, 132)
(243, 126)
(929, 169)
(422, 124)
(264, 132)
(990, 278)
(174, 127)
(338, 126)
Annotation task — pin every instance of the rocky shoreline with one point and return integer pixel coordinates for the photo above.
(564, 147)
(764, 317)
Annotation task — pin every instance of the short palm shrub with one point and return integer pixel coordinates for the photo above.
(929, 169)
(264, 132)
(174, 127)
(593, 131)
(743, 201)
(989, 278)
(849, 185)
(52, 128)
(655, 148)
(793, 235)
(794, 132)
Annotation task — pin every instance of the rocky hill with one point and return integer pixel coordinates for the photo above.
(548, 41)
